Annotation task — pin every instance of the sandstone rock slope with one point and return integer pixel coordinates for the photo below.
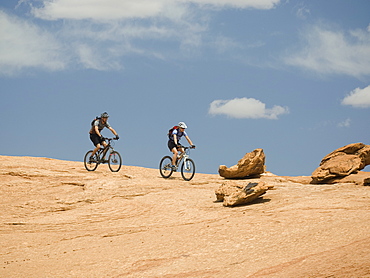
(59, 220)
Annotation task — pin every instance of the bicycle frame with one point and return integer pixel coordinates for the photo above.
(102, 152)
(183, 156)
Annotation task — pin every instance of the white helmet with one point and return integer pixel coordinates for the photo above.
(182, 125)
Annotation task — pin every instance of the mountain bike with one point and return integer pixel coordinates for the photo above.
(187, 165)
(114, 159)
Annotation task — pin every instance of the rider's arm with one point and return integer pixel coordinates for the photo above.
(113, 131)
(188, 138)
(97, 130)
(175, 138)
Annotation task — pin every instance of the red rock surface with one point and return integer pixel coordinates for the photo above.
(58, 220)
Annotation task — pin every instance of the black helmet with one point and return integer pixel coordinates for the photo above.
(104, 115)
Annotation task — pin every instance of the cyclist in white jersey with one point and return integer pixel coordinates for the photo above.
(174, 142)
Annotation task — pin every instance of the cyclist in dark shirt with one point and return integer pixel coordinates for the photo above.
(174, 142)
(95, 132)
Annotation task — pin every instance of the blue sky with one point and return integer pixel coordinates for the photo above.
(290, 77)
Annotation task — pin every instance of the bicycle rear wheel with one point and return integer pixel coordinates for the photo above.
(188, 169)
(114, 161)
(90, 165)
(165, 167)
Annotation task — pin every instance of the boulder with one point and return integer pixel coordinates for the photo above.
(366, 182)
(360, 178)
(233, 193)
(342, 162)
(251, 165)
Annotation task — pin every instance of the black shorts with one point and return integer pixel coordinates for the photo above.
(171, 144)
(95, 139)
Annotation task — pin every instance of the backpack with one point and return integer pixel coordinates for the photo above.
(171, 130)
(93, 121)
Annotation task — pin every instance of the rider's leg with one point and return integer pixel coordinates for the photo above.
(95, 150)
(176, 154)
(181, 150)
(104, 144)
(174, 157)
(98, 147)
(96, 140)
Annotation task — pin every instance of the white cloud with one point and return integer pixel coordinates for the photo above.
(345, 123)
(334, 52)
(223, 44)
(244, 4)
(25, 45)
(91, 59)
(118, 9)
(247, 108)
(358, 98)
(302, 11)
(98, 34)
(99, 10)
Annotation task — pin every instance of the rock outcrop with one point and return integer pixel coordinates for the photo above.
(342, 162)
(251, 165)
(232, 193)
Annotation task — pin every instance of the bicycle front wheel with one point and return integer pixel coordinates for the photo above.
(188, 169)
(90, 165)
(114, 161)
(165, 167)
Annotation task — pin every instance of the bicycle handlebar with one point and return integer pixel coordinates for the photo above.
(109, 139)
(186, 148)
